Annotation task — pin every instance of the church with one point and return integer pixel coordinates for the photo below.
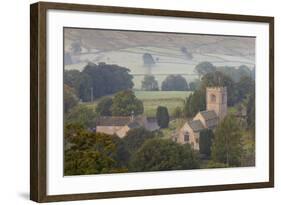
(216, 110)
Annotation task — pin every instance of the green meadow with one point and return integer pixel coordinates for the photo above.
(152, 99)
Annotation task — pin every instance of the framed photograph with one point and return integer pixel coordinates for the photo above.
(135, 102)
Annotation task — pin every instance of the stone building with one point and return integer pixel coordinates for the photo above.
(216, 110)
(120, 125)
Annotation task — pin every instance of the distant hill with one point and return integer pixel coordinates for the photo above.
(127, 49)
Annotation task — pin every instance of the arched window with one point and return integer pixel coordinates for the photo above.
(213, 98)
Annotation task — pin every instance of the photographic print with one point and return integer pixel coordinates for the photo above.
(129, 102)
(140, 101)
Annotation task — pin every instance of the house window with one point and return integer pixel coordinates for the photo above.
(197, 140)
(213, 98)
(186, 137)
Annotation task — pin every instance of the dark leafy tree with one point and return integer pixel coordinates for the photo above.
(205, 141)
(135, 138)
(82, 115)
(98, 80)
(149, 83)
(88, 153)
(227, 144)
(125, 103)
(204, 67)
(251, 111)
(194, 85)
(177, 112)
(69, 98)
(159, 155)
(162, 116)
(174, 83)
(104, 106)
(194, 103)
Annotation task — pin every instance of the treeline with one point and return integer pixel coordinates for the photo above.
(140, 150)
(171, 83)
(97, 80)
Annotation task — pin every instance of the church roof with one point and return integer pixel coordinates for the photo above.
(208, 114)
(196, 125)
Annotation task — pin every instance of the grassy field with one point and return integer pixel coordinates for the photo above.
(152, 99)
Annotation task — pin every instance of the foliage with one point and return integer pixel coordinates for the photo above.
(98, 80)
(205, 141)
(104, 106)
(194, 85)
(235, 74)
(149, 83)
(162, 117)
(158, 155)
(177, 113)
(204, 67)
(82, 115)
(174, 83)
(236, 92)
(135, 138)
(244, 88)
(88, 152)
(251, 111)
(227, 146)
(194, 103)
(248, 154)
(125, 103)
(213, 164)
(69, 98)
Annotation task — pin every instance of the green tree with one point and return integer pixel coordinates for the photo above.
(124, 103)
(174, 83)
(205, 141)
(135, 138)
(251, 111)
(69, 98)
(227, 146)
(204, 67)
(194, 103)
(104, 106)
(162, 116)
(88, 153)
(177, 113)
(97, 80)
(160, 155)
(82, 115)
(149, 83)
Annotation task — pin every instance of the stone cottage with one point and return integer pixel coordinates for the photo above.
(120, 125)
(216, 110)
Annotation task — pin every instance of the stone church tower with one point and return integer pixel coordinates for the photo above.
(216, 100)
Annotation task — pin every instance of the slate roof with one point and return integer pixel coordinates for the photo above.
(118, 120)
(208, 114)
(196, 125)
(134, 125)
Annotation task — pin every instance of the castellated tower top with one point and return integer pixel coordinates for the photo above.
(216, 100)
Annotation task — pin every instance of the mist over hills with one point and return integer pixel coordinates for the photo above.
(170, 53)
